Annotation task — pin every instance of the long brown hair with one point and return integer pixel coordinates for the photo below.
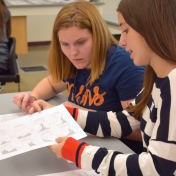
(3, 16)
(84, 15)
(155, 21)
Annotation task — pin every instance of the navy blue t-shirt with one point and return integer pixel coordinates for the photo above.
(120, 81)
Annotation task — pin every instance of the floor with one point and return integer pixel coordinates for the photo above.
(36, 56)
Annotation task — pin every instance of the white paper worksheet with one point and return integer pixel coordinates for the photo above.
(6, 117)
(37, 130)
(75, 173)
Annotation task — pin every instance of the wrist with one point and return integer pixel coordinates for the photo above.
(33, 98)
(72, 150)
(69, 149)
(73, 112)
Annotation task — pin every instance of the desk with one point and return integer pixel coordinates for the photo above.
(43, 161)
(33, 22)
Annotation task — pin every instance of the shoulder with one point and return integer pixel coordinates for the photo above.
(8, 12)
(117, 57)
(167, 86)
(117, 51)
(118, 54)
(7, 15)
(170, 82)
(172, 75)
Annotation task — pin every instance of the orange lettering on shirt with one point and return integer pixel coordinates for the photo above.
(69, 87)
(94, 98)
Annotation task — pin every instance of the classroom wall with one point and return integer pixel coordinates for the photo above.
(40, 20)
(110, 6)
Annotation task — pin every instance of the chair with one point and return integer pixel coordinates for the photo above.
(13, 75)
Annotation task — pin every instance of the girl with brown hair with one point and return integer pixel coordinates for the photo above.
(86, 60)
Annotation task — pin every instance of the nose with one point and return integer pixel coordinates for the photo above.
(122, 41)
(73, 50)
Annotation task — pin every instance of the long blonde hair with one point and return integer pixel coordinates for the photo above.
(155, 21)
(83, 15)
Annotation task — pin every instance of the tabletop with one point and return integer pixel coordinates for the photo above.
(43, 161)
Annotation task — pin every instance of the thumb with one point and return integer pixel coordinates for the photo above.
(60, 139)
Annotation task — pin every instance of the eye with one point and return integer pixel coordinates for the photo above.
(125, 31)
(80, 42)
(64, 44)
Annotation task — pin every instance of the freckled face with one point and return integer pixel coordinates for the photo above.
(134, 43)
(76, 44)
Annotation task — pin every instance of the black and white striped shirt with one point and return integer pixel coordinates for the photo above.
(158, 129)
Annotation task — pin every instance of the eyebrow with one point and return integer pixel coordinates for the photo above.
(83, 38)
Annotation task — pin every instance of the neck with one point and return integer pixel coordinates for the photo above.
(162, 67)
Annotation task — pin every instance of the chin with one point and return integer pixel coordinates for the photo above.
(137, 63)
(79, 67)
(82, 66)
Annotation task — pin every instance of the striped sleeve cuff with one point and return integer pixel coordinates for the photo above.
(72, 150)
(73, 112)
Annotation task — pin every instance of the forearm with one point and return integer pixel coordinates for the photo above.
(43, 90)
(104, 124)
(73, 105)
(135, 135)
(109, 162)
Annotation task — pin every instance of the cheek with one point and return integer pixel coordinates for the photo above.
(87, 50)
(64, 50)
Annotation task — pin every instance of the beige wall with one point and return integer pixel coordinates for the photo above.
(110, 6)
(40, 20)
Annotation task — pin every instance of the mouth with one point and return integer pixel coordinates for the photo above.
(129, 51)
(78, 59)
